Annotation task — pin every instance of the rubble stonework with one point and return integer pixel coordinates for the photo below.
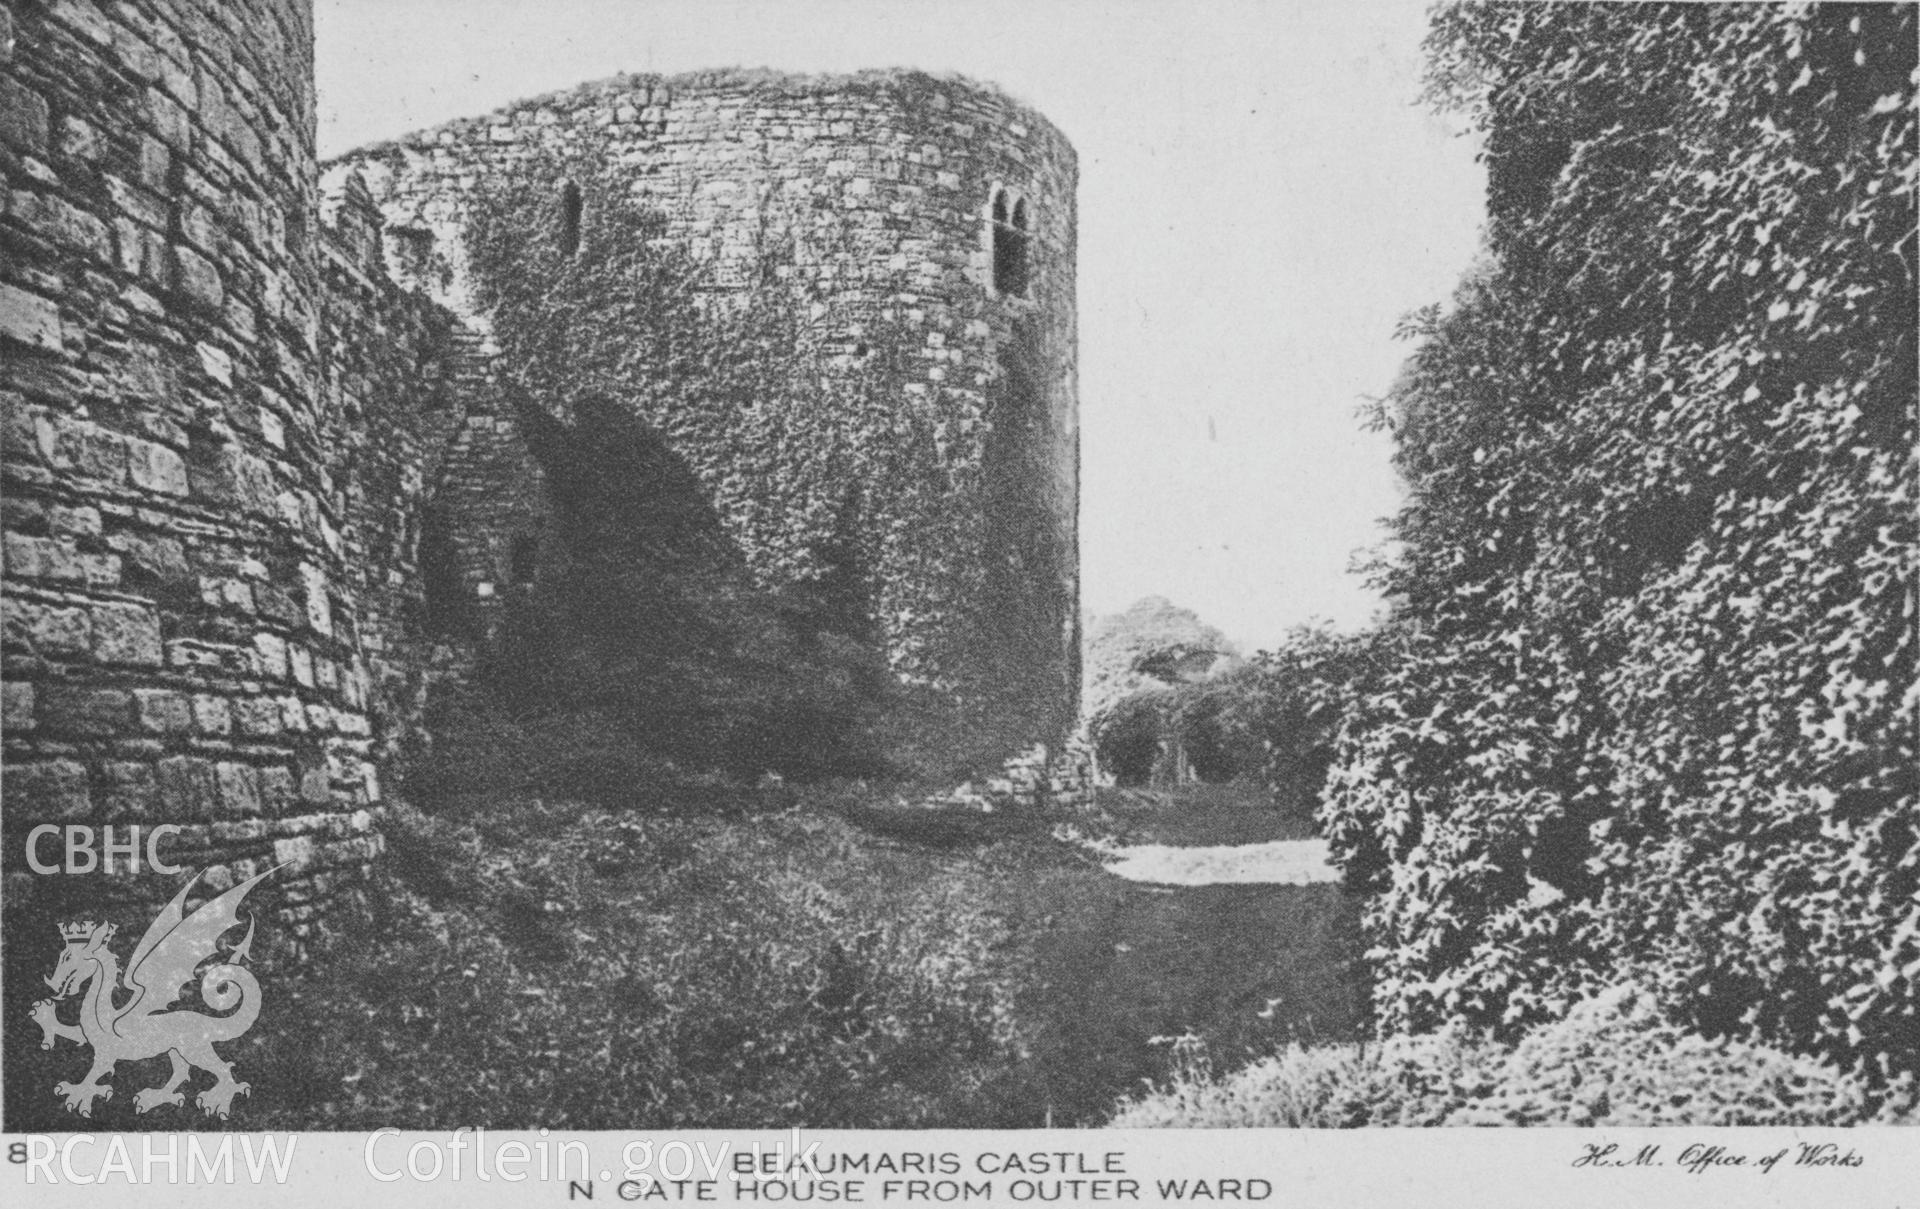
(1040, 779)
(239, 415)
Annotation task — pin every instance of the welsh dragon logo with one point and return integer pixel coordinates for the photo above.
(142, 1027)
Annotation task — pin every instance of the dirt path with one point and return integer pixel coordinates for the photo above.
(1274, 863)
(1247, 944)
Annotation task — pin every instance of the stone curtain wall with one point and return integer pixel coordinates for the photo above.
(213, 423)
(873, 191)
(395, 388)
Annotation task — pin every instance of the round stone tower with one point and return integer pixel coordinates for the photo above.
(181, 644)
(927, 223)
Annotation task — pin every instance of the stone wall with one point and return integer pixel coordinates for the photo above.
(875, 194)
(395, 386)
(1045, 779)
(214, 415)
(249, 464)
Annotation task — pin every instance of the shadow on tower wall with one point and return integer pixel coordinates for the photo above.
(644, 648)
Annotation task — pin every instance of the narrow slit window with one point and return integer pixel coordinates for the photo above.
(1010, 239)
(524, 562)
(569, 219)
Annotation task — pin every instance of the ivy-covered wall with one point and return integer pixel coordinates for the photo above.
(915, 397)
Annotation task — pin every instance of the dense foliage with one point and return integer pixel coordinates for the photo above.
(1123, 650)
(720, 619)
(1615, 1060)
(1271, 720)
(1652, 708)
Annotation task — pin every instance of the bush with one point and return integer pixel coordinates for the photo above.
(1271, 720)
(1652, 710)
(1615, 1060)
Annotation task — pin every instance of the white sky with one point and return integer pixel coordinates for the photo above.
(1260, 200)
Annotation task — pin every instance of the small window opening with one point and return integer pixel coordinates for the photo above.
(569, 219)
(524, 561)
(1010, 236)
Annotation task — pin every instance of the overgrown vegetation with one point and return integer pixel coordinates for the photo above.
(1615, 1060)
(1270, 720)
(714, 621)
(719, 959)
(1649, 705)
(757, 509)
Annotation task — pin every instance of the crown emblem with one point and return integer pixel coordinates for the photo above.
(75, 932)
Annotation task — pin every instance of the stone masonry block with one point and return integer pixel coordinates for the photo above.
(164, 558)
(270, 656)
(155, 161)
(84, 711)
(75, 522)
(16, 706)
(196, 277)
(49, 789)
(278, 792)
(126, 633)
(80, 139)
(212, 715)
(169, 120)
(23, 117)
(58, 560)
(297, 851)
(239, 789)
(319, 613)
(154, 467)
(30, 319)
(315, 788)
(19, 429)
(258, 716)
(76, 228)
(163, 711)
(139, 58)
(86, 449)
(50, 631)
(84, 18)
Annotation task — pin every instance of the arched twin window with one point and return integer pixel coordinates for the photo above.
(1010, 231)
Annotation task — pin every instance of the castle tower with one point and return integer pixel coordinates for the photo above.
(182, 637)
(927, 224)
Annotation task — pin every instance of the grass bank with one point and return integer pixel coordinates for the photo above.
(759, 960)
